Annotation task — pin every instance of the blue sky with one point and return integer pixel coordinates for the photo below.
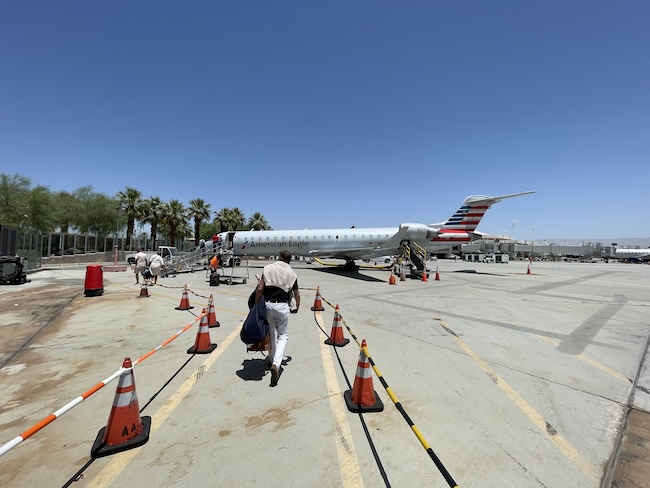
(332, 114)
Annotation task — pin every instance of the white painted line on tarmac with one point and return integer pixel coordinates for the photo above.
(113, 469)
(348, 461)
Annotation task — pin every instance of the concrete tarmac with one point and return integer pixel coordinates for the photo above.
(510, 380)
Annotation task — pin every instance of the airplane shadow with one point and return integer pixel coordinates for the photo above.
(473, 271)
(348, 274)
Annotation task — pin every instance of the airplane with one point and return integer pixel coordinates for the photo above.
(353, 243)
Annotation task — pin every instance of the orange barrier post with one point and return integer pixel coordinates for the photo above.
(362, 397)
(185, 300)
(202, 343)
(125, 428)
(318, 305)
(391, 280)
(144, 291)
(336, 335)
(437, 275)
(212, 314)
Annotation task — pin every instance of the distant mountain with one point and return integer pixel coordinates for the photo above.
(620, 241)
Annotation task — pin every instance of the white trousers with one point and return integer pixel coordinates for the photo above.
(278, 316)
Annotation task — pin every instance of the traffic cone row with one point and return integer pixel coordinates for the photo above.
(125, 428)
(185, 300)
(318, 305)
(336, 335)
(212, 314)
(202, 343)
(362, 397)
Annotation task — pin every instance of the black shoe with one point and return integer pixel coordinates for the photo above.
(275, 374)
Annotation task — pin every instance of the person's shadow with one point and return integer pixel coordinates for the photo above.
(253, 369)
(256, 369)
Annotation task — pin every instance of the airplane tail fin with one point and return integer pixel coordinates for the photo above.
(470, 213)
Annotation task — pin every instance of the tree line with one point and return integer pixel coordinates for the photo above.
(84, 210)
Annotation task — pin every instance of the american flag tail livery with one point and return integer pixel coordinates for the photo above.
(461, 225)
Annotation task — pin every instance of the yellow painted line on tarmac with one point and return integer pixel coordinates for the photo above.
(591, 362)
(603, 368)
(121, 460)
(347, 455)
(558, 439)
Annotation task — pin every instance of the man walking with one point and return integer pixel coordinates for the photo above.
(141, 262)
(278, 284)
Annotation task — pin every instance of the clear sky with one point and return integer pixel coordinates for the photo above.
(331, 114)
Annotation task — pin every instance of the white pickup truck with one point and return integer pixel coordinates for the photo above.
(167, 253)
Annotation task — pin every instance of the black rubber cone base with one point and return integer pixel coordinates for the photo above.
(94, 293)
(321, 309)
(378, 406)
(336, 344)
(100, 449)
(215, 325)
(212, 347)
(183, 308)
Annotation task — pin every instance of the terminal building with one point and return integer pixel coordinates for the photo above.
(493, 248)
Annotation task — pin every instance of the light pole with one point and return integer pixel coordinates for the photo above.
(514, 224)
(533, 235)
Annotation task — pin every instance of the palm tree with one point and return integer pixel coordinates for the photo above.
(176, 219)
(258, 222)
(199, 211)
(238, 219)
(130, 202)
(154, 212)
(221, 218)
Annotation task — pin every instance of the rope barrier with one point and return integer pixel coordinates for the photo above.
(448, 478)
(53, 416)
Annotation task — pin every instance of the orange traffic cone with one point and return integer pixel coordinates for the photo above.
(202, 343)
(362, 397)
(528, 272)
(424, 274)
(125, 428)
(391, 280)
(318, 306)
(212, 314)
(437, 275)
(336, 335)
(185, 300)
(144, 291)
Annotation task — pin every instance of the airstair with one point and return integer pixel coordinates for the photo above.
(416, 257)
(187, 262)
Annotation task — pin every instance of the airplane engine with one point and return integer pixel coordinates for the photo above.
(418, 231)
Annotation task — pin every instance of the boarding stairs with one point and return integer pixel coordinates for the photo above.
(416, 256)
(188, 261)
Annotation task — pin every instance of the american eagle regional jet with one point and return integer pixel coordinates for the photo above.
(364, 243)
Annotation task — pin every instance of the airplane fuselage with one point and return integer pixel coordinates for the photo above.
(352, 243)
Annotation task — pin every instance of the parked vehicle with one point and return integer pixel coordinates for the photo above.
(167, 253)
